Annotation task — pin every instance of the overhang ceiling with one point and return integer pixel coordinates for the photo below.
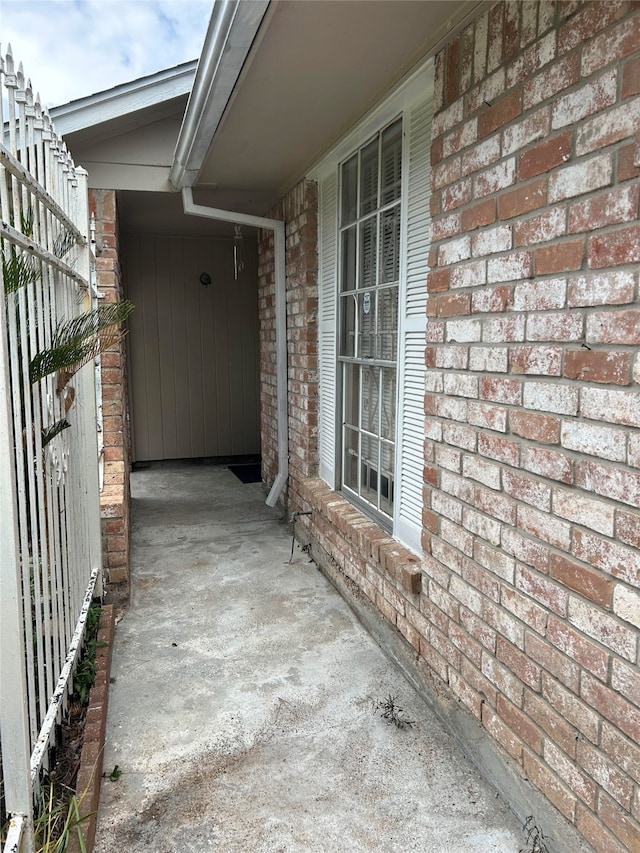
(315, 68)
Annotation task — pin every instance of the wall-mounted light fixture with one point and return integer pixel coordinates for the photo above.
(205, 279)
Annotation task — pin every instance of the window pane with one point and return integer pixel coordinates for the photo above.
(387, 454)
(390, 245)
(351, 394)
(388, 419)
(350, 190)
(349, 237)
(368, 245)
(387, 338)
(369, 469)
(391, 176)
(350, 463)
(367, 330)
(369, 178)
(370, 407)
(348, 325)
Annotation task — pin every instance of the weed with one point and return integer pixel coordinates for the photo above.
(85, 674)
(58, 820)
(392, 712)
(535, 837)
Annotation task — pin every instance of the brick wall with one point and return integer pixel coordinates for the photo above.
(532, 529)
(114, 499)
(298, 209)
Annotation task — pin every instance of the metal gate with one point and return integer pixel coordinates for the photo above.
(50, 548)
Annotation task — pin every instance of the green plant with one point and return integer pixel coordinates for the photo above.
(391, 711)
(85, 673)
(535, 837)
(58, 820)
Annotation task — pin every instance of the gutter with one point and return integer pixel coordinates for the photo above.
(278, 228)
(232, 28)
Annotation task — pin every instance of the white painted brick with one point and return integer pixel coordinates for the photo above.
(480, 48)
(579, 103)
(469, 275)
(483, 526)
(549, 397)
(581, 178)
(603, 628)
(460, 385)
(626, 604)
(445, 120)
(600, 404)
(484, 472)
(480, 156)
(454, 251)
(540, 295)
(463, 331)
(595, 440)
(610, 288)
(530, 129)
(487, 91)
(490, 241)
(597, 515)
(454, 358)
(489, 359)
(615, 124)
(509, 268)
(496, 178)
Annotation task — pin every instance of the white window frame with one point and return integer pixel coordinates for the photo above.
(413, 95)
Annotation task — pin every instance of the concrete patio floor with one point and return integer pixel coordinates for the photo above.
(243, 711)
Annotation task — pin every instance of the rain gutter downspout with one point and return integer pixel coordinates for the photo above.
(277, 226)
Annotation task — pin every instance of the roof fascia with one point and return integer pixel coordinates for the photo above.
(125, 99)
(232, 29)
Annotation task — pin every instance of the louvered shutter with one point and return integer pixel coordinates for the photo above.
(327, 328)
(410, 460)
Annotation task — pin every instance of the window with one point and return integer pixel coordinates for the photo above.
(368, 287)
(374, 233)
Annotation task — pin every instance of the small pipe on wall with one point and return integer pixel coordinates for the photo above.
(277, 227)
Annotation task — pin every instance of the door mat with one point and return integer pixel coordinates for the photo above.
(247, 473)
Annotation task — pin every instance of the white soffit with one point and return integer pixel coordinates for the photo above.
(316, 68)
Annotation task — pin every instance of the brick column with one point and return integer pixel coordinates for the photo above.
(114, 499)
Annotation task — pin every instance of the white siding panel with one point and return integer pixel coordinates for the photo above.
(327, 310)
(409, 464)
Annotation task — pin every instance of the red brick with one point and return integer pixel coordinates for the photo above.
(549, 225)
(610, 557)
(595, 833)
(606, 128)
(545, 156)
(501, 732)
(523, 199)
(598, 366)
(518, 663)
(578, 782)
(571, 708)
(483, 213)
(499, 448)
(536, 360)
(611, 706)
(551, 723)
(624, 754)
(519, 724)
(584, 24)
(546, 781)
(548, 463)
(551, 80)
(588, 583)
(628, 162)
(499, 113)
(500, 390)
(613, 44)
(631, 78)
(543, 428)
(559, 257)
(623, 826)
(628, 527)
(535, 56)
(451, 68)
(436, 151)
(453, 304)
(438, 280)
(538, 587)
(609, 208)
(550, 659)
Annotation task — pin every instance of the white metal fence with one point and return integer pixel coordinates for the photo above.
(50, 549)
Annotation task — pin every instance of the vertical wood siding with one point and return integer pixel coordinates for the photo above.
(193, 349)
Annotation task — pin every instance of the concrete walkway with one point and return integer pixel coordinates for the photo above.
(243, 705)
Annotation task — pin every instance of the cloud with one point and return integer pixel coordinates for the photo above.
(74, 48)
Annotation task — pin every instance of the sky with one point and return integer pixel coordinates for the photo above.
(74, 48)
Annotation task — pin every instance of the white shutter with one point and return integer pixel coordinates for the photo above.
(409, 456)
(327, 328)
